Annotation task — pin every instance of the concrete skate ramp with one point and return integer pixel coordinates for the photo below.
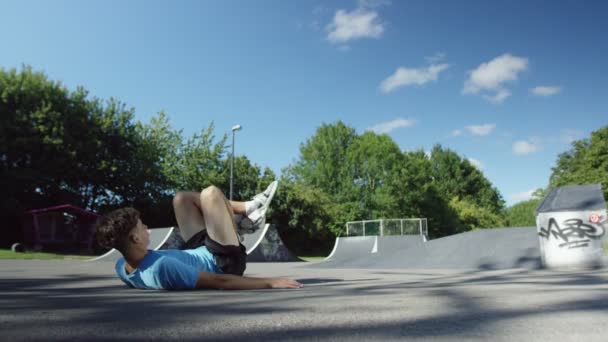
(499, 248)
(348, 249)
(158, 237)
(355, 252)
(271, 249)
(394, 252)
(251, 241)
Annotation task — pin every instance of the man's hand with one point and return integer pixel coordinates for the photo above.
(284, 283)
(233, 282)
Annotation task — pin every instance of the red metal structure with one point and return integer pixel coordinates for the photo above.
(63, 227)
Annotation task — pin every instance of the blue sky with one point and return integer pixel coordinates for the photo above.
(507, 84)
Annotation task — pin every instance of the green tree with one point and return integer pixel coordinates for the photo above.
(586, 162)
(58, 146)
(249, 179)
(523, 214)
(457, 177)
(323, 158)
(199, 162)
(54, 141)
(416, 195)
(163, 145)
(124, 170)
(32, 136)
(368, 177)
(372, 163)
(303, 214)
(472, 216)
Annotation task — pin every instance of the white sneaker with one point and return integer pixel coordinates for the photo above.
(257, 218)
(263, 199)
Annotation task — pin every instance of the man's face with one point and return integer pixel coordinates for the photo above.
(142, 233)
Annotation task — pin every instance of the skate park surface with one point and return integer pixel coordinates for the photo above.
(498, 248)
(370, 288)
(75, 300)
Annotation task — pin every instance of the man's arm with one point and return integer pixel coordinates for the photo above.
(233, 282)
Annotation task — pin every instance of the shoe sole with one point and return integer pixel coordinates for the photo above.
(264, 209)
(267, 204)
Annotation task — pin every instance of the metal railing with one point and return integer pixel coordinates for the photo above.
(384, 227)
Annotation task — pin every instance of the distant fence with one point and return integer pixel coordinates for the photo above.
(382, 227)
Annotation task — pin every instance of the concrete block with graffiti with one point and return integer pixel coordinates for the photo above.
(571, 223)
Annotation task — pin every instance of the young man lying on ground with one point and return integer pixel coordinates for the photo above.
(212, 256)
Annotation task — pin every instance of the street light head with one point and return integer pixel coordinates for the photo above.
(236, 128)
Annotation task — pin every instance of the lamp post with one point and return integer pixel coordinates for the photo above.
(234, 129)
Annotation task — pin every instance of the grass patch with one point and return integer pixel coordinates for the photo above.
(312, 258)
(605, 246)
(8, 254)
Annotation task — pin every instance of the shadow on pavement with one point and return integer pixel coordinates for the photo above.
(99, 307)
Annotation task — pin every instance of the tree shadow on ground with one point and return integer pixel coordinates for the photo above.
(76, 306)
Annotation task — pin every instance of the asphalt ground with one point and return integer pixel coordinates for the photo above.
(73, 300)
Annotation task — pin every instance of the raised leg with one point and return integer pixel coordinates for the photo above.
(187, 207)
(237, 207)
(218, 216)
(189, 214)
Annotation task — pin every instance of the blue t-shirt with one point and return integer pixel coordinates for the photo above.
(170, 269)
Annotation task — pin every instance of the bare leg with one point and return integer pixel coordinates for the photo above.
(218, 216)
(187, 207)
(189, 215)
(237, 207)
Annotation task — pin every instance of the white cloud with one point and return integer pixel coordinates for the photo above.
(521, 196)
(523, 147)
(545, 90)
(476, 163)
(481, 129)
(405, 77)
(360, 23)
(491, 77)
(456, 133)
(499, 97)
(387, 127)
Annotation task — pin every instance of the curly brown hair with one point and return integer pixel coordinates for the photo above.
(113, 228)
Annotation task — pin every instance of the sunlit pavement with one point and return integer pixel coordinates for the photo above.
(49, 300)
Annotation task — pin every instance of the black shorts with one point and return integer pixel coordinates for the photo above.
(230, 259)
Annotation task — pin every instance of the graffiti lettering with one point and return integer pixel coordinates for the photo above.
(573, 229)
